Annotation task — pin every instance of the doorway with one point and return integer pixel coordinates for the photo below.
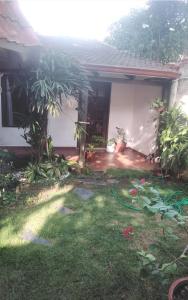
(98, 114)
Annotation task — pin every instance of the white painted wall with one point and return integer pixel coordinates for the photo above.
(62, 127)
(130, 109)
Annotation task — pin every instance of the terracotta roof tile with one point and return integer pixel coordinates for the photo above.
(92, 52)
(13, 25)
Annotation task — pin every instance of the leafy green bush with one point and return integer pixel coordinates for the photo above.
(150, 267)
(153, 268)
(173, 141)
(6, 161)
(7, 181)
(6, 156)
(47, 170)
(7, 198)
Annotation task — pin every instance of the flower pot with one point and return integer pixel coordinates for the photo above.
(178, 288)
(120, 147)
(110, 148)
(161, 109)
(90, 155)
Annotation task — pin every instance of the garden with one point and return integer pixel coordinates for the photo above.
(67, 232)
(118, 235)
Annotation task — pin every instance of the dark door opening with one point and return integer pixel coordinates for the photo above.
(98, 113)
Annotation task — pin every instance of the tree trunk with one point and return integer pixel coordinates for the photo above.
(43, 143)
(83, 103)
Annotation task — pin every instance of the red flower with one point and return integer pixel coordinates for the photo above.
(142, 181)
(133, 192)
(127, 232)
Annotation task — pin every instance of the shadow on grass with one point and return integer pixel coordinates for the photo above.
(89, 258)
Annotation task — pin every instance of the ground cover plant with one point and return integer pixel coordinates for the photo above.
(102, 249)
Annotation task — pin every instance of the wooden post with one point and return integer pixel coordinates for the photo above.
(83, 103)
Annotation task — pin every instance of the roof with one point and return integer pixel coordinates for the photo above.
(100, 56)
(94, 55)
(13, 25)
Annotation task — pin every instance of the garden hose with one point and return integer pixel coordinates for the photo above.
(121, 200)
(179, 204)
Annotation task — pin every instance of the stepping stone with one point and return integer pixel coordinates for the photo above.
(28, 235)
(65, 210)
(84, 194)
(112, 181)
(91, 181)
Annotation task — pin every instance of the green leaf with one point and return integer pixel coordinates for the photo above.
(171, 214)
(146, 200)
(151, 257)
(169, 268)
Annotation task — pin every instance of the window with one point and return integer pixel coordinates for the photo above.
(14, 105)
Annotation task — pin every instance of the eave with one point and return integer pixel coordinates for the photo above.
(133, 71)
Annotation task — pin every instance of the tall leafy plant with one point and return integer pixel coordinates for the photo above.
(173, 141)
(157, 31)
(49, 82)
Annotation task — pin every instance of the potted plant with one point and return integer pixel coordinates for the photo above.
(111, 144)
(159, 105)
(179, 289)
(121, 141)
(90, 152)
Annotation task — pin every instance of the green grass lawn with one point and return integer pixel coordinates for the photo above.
(89, 257)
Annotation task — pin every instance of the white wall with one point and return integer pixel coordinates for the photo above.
(62, 127)
(130, 109)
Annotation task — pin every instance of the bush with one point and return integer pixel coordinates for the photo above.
(173, 141)
(7, 198)
(8, 183)
(47, 170)
(6, 156)
(6, 161)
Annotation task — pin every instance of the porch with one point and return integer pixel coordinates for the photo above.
(130, 159)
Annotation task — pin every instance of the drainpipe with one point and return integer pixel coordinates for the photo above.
(83, 105)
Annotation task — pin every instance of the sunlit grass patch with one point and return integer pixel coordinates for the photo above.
(89, 257)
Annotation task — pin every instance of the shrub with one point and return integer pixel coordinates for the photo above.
(7, 181)
(6, 156)
(173, 141)
(47, 170)
(7, 198)
(6, 161)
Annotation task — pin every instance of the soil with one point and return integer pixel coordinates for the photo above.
(181, 292)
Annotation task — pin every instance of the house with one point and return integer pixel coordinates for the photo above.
(123, 87)
(18, 46)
